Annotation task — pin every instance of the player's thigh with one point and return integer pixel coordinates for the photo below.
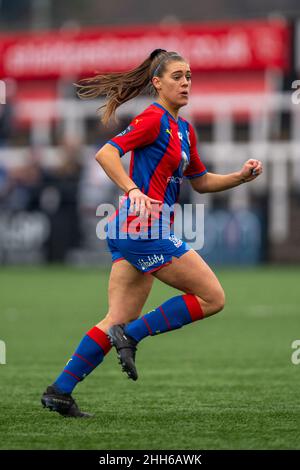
(127, 291)
(192, 275)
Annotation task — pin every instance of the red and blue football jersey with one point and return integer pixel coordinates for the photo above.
(163, 151)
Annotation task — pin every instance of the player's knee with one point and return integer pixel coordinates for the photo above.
(219, 301)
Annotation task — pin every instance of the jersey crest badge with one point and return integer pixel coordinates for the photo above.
(184, 160)
(188, 137)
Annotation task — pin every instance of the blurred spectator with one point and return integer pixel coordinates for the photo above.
(59, 198)
(22, 187)
(4, 186)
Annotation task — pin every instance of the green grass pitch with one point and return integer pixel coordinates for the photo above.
(223, 383)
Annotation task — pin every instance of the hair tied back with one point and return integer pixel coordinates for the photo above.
(156, 52)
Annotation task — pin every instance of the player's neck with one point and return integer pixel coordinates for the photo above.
(170, 109)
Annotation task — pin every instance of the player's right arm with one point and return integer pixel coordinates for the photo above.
(141, 132)
(109, 158)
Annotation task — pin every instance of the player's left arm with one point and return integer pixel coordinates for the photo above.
(213, 182)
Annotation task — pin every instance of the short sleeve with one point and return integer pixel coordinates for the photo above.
(142, 131)
(196, 167)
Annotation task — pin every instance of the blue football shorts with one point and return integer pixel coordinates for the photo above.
(145, 254)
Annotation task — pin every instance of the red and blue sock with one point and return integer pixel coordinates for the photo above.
(171, 315)
(89, 354)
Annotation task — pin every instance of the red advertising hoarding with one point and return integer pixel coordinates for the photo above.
(248, 45)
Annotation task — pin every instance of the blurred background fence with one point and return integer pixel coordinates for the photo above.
(244, 104)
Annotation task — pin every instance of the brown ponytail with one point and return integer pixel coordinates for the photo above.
(119, 87)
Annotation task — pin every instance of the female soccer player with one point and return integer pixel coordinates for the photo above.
(139, 234)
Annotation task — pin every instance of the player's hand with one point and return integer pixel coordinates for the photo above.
(251, 169)
(141, 204)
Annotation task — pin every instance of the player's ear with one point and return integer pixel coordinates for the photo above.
(156, 83)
